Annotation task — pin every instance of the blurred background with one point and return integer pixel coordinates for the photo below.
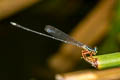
(28, 56)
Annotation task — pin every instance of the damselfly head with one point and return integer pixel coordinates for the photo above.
(95, 49)
(58, 35)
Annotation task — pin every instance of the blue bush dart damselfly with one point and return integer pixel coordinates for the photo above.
(63, 37)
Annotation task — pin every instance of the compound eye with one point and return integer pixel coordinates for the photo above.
(95, 49)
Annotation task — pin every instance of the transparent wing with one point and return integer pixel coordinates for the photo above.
(56, 34)
(61, 35)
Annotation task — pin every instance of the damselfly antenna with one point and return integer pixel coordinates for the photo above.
(57, 35)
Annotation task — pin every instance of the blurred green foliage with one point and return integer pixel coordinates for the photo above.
(111, 42)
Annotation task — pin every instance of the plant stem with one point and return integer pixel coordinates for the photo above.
(109, 74)
(106, 60)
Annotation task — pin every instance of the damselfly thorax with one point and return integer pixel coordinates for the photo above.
(63, 37)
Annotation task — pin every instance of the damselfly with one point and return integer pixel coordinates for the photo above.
(63, 37)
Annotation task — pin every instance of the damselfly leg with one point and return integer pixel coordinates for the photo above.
(63, 37)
